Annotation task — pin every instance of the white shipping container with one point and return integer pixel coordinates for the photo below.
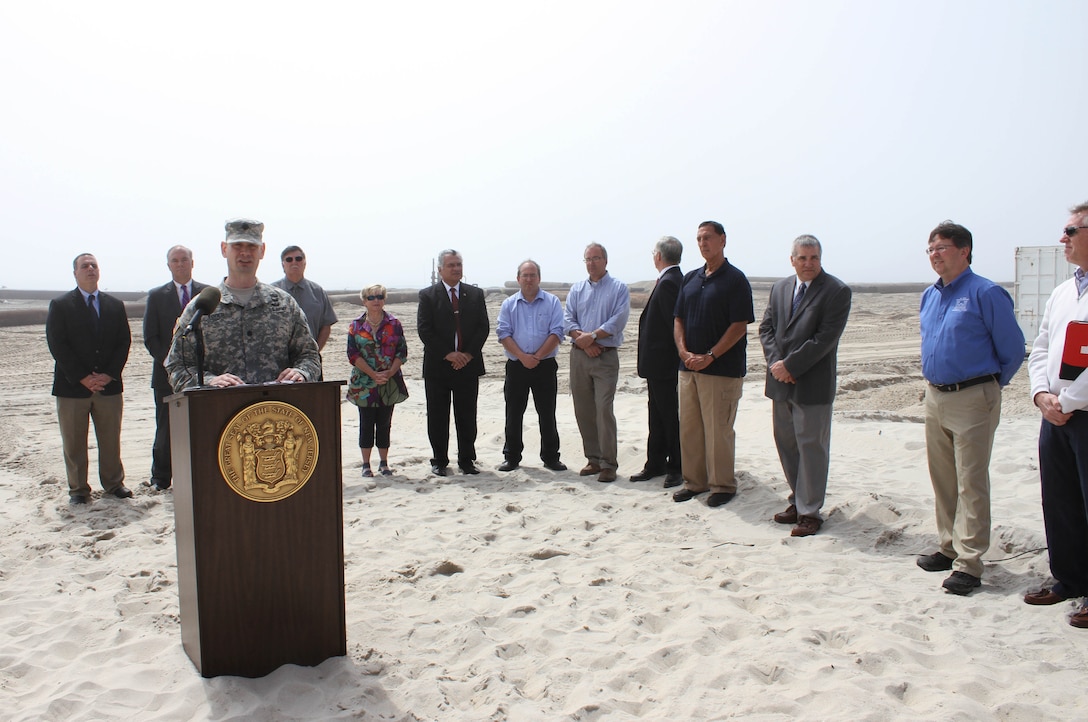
(1039, 270)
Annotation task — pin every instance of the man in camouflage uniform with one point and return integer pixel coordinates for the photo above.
(257, 334)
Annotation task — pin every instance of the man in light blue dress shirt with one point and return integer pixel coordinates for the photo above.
(596, 313)
(530, 330)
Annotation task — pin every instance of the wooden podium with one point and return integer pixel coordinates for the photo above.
(260, 582)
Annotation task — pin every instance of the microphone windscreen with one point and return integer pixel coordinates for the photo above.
(208, 300)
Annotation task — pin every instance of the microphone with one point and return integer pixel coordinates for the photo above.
(206, 302)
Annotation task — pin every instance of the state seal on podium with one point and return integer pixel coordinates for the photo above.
(268, 451)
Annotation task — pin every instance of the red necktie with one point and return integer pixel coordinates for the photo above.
(456, 317)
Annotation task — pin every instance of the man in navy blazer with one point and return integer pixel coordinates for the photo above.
(659, 363)
(88, 335)
(800, 334)
(453, 325)
(164, 305)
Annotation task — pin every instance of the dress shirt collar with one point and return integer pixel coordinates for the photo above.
(666, 269)
(1082, 281)
(599, 281)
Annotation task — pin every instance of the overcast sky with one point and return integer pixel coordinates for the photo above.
(375, 135)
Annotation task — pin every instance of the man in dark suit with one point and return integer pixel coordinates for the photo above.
(89, 338)
(658, 363)
(453, 325)
(164, 305)
(800, 334)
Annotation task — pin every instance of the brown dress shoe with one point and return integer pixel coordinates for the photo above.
(589, 470)
(807, 526)
(789, 516)
(1079, 618)
(1044, 597)
(607, 475)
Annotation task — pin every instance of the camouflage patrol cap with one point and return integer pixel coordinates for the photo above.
(243, 230)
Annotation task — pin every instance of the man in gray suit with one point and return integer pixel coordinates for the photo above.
(800, 334)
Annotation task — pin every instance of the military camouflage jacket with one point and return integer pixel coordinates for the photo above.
(254, 342)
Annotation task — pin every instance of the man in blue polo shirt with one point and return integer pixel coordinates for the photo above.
(971, 348)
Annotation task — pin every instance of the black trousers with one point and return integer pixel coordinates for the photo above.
(463, 391)
(161, 471)
(375, 423)
(663, 442)
(543, 382)
(1063, 475)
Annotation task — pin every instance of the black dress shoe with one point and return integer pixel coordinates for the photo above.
(556, 465)
(935, 562)
(686, 495)
(160, 485)
(719, 498)
(961, 583)
(508, 465)
(646, 475)
(469, 469)
(77, 499)
(673, 478)
(440, 470)
(121, 492)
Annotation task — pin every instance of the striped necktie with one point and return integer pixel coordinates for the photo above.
(797, 299)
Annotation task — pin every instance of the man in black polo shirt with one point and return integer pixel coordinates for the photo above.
(712, 313)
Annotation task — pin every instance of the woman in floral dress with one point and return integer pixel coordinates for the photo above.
(376, 351)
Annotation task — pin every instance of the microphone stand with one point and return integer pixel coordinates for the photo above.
(198, 345)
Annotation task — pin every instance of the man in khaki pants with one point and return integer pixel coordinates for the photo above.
(971, 347)
(713, 311)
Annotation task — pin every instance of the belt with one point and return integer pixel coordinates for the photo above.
(965, 384)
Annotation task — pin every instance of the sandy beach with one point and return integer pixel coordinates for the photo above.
(537, 595)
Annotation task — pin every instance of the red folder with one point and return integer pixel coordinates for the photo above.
(1075, 353)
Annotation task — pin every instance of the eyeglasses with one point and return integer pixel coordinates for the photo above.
(594, 259)
(376, 297)
(937, 249)
(292, 259)
(1072, 230)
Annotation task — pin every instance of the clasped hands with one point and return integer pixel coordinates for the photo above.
(458, 359)
(780, 373)
(95, 382)
(587, 343)
(1051, 407)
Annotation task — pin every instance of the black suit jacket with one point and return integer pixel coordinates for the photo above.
(82, 347)
(657, 355)
(437, 329)
(808, 343)
(160, 315)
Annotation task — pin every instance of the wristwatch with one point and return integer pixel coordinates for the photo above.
(711, 355)
(593, 335)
